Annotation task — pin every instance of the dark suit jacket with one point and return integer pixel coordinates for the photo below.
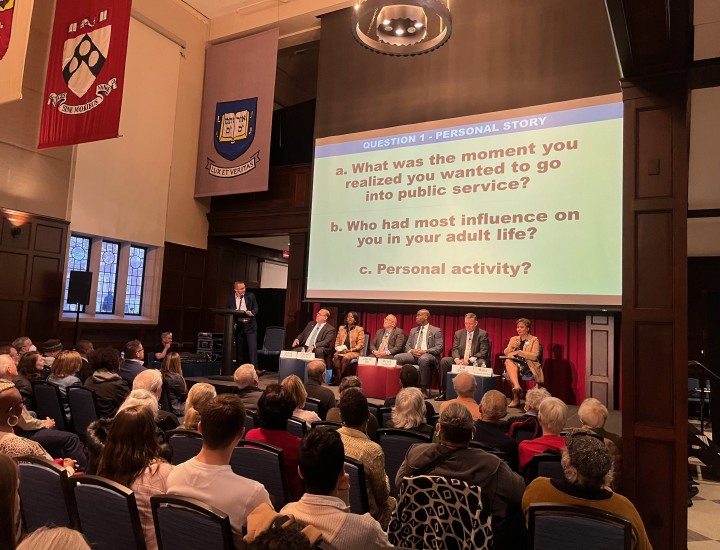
(479, 348)
(326, 396)
(251, 305)
(130, 369)
(395, 342)
(325, 341)
(491, 435)
(435, 344)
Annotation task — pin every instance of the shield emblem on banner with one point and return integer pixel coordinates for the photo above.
(6, 17)
(83, 59)
(234, 127)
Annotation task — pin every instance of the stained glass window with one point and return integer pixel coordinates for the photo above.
(135, 280)
(107, 277)
(78, 260)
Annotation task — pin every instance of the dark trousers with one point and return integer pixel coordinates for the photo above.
(60, 444)
(246, 346)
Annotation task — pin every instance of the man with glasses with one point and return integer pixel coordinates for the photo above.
(389, 340)
(133, 363)
(317, 337)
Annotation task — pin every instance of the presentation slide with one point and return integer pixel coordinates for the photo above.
(508, 208)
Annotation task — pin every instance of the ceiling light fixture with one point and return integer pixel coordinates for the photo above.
(402, 28)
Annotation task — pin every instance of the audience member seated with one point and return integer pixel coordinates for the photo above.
(320, 460)
(131, 457)
(50, 349)
(85, 349)
(409, 412)
(493, 407)
(287, 535)
(29, 367)
(465, 386)
(133, 363)
(529, 420)
(354, 412)
(294, 385)
(552, 417)
(389, 340)
(334, 415)
(151, 380)
(349, 344)
(23, 345)
(10, 520)
(198, 395)
(64, 370)
(54, 537)
(423, 348)
(173, 379)
(275, 408)
(452, 458)
(316, 390)
(587, 463)
(317, 337)
(11, 409)
(409, 378)
(7, 349)
(247, 381)
(470, 346)
(110, 389)
(58, 443)
(209, 477)
(593, 415)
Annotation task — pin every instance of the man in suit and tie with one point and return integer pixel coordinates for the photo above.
(389, 340)
(423, 348)
(470, 345)
(245, 325)
(317, 337)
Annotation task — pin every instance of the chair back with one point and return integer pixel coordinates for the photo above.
(488, 449)
(312, 404)
(358, 488)
(529, 428)
(395, 444)
(182, 522)
(553, 526)
(326, 424)
(273, 341)
(48, 403)
(185, 444)
(108, 514)
(451, 503)
(384, 417)
(46, 496)
(252, 420)
(263, 463)
(544, 465)
(296, 426)
(82, 409)
(164, 400)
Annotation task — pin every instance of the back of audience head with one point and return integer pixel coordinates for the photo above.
(29, 363)
(592, 413)
(197, 397)
(294, 385)
(353, 408)
(8, 368)
(456, 425)
(222, 422)
(552, 415)
(67, 363)
(60, 538)
(275, 407)
(132, 349)
(465, 385)
(316, 370)
(321, 459)
(172, 363)
(131, 445)
(409, 411)
(493, 406)
(534, 397)
(586, 460)
(106, 359)
(150, 380)
(141, 398)
(84, 347)
(349, 382)
(409, 376)
(8, 500)
(280, 537)
(245, 376)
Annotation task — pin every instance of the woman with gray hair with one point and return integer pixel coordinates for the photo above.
(409, 412)
(529, 421)
(552, 417)
(587, 464)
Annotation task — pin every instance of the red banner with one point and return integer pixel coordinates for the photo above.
(86, 72)
(14, 31)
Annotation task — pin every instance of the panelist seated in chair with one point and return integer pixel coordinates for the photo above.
(423, 348)
(389, 340)
(522, 351)
(317, 337)
(349, 343)
(586, 463)
(470, 346)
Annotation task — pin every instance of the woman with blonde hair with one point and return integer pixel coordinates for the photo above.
(171, 370)
(64, 369)
(409, 412)
(198, 395)
(294, 385)
(54, 537)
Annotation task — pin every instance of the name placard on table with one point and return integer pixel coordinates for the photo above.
(302, 355)
(387, 363)
(367, 360)
(477, 371)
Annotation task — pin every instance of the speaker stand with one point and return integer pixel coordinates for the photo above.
(77, 324)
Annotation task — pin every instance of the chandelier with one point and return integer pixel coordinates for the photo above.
(402, 28)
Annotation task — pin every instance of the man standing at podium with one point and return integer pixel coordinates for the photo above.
(245, 325)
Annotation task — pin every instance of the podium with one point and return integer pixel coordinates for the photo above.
(484, 385)
(230, 316)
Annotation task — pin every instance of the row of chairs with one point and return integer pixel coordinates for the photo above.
(83, 408)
